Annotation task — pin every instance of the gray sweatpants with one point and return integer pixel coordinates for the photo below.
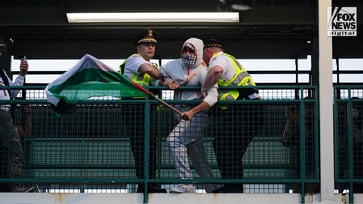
(186, 141)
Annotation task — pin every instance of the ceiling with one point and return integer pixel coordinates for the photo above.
(270, 29)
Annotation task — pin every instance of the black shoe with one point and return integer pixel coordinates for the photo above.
(229, 189)
(157, 189)
(152, 188)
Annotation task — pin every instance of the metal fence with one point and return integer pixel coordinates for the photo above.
(348, 110)
(89, 150)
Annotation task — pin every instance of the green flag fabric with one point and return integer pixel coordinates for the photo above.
(89, 78)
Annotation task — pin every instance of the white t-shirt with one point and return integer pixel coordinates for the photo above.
(133, 64)
(4, 94)
(178, 72)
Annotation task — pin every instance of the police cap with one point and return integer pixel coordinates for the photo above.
(213, 43)
(146, 36)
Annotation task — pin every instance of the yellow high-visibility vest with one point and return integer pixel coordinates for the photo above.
(240, 78)
(143, 79)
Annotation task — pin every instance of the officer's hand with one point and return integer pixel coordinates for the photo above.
(172, 85)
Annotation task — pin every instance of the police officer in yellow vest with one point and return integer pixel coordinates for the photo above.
(236, 123)
(139, 69)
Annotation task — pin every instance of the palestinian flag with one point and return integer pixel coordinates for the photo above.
(89, 78)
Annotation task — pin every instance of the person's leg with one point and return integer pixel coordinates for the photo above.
(135, 130)
(196, 149)
(226, 147)
(3, 160)
(229, 158)
(13, 151)
(239, 125)
(222, 142)
(358, 166)
(3, 157)
(228, 143)
(197, 154)
(239, 139)
(179, 138)
(135, 127)
(178, 149)
(153, 142)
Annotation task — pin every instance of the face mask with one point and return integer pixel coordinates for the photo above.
(189, 60)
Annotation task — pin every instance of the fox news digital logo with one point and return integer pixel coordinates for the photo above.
(342, 21)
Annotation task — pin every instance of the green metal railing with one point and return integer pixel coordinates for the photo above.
(348, 110)
(90, 149)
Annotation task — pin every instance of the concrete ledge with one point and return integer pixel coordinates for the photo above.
(135, 198)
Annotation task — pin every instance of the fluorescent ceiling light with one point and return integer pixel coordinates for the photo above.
(157, 17)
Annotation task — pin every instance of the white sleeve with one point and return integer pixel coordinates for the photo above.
(19, 81)
(133, 64)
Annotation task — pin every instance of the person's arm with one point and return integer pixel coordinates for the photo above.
(151, 70)
(212, 76)
(23, 67)
(286, 134)
(289, 119)
(28, 121)
(165, 72)
(172, 85)
(206, 104)
(19, 81)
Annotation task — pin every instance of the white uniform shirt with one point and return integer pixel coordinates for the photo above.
(228, 70)
(222, 61)
(133, 64)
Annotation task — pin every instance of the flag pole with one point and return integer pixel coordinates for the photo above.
(141, 88)
(167, 105)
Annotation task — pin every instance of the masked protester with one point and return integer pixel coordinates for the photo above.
(186, 139)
